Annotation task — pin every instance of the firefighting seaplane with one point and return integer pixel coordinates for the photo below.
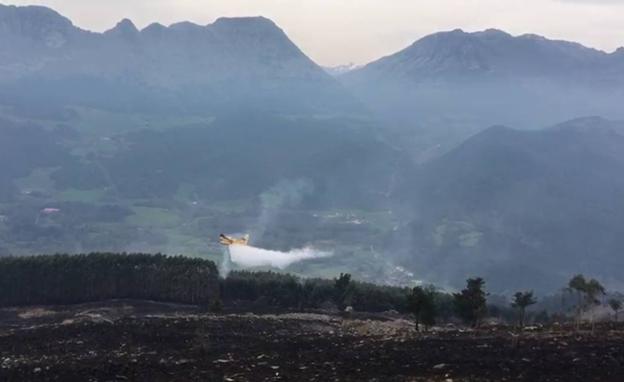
(227, 240)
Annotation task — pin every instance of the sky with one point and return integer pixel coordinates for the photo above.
(337, 32)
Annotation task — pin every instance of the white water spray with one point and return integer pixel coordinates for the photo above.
(247, 256)
(226, 263)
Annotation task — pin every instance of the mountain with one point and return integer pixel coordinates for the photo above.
(160, 139)
(242, 106)
(489, 53)
(237, 96)
(187, 68)
(447, 86)
(524, 209)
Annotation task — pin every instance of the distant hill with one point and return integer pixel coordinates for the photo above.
(187, 68)
(524, 209)
(447, 86)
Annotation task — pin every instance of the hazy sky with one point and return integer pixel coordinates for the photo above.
(334, 32)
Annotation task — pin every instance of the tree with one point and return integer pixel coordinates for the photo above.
(616, 306)
(470, 303)
(216, 306)
(343, 291)
(592, 291)
(421, 303)
(521, 301)
(587, 292)
(577, 285)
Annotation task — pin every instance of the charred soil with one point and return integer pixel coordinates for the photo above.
(119, 341)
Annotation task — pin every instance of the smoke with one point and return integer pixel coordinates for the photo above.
(286, 193)
(247, 256)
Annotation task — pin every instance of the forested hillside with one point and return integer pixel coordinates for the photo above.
(521, 205)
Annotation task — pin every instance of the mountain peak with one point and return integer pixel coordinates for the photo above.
(43, 26)
(154, 28)
(33, 11)
(245, 21)
(460, 35)
(253, 32)
(36, 22)
(125, 28)
(126, 24)
(492, 33)
(257, 24)
(186, 26)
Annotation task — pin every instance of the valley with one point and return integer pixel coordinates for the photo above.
(158, 139)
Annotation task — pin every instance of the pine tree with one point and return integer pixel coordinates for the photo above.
(521, 301)
(421, 303)
(470, 303)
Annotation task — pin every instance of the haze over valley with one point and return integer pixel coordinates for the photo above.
(464, 154)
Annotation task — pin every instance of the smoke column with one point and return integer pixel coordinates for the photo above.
(286, 193)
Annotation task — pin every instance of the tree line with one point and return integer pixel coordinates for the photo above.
(65, 279)
(288, 291)
(70, 279)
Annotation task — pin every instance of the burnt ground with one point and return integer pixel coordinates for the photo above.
(131, 341)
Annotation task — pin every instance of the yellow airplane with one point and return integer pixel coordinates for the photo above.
(227, 240)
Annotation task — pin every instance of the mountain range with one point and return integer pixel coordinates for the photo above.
(495, 53)
(153, 139)
(185, 68)
(450, 85)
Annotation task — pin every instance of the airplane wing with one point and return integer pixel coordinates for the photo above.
(227, 240)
